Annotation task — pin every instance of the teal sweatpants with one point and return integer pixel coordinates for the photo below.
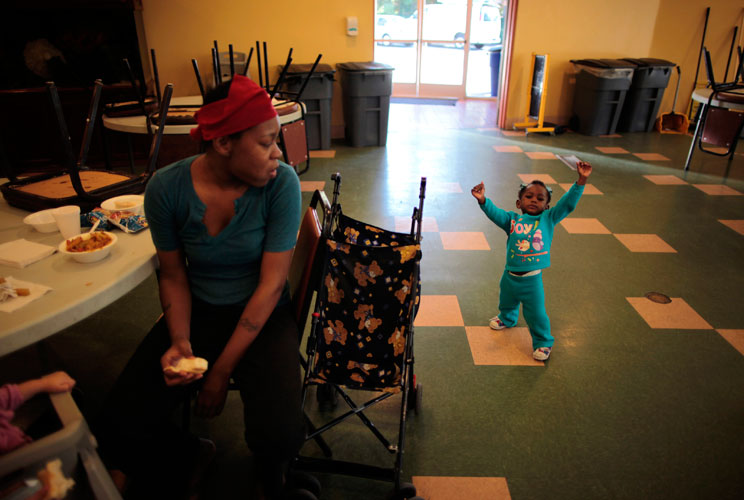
(529, 292)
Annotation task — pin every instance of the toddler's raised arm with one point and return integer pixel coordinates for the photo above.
(585, 170)
(479, 192)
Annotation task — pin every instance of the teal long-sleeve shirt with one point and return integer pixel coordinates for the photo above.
(530, 236)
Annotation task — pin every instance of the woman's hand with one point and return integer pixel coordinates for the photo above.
(178, 350)
(585, 170)
(212, 395)
(479, 192)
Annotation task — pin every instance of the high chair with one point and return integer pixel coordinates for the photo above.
(73, 444)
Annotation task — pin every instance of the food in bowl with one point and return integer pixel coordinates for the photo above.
(93, 242)
(42, 221)
(130, 202)
(88, 247)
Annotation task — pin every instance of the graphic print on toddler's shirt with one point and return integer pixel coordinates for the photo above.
(528, 247)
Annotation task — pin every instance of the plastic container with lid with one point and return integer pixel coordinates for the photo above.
(605, 68)
(650, 79)
(601, 86)
(366, 88)
(317, 96)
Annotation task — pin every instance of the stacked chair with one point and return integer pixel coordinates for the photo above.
(76, 183)
(719, 125)
(293, 134)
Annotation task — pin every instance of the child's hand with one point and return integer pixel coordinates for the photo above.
(585, 170)
(57, 382)
(479, 192)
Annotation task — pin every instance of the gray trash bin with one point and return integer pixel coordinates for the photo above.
(366, 88)
(601, 86)
(317, 98)
(650, 79)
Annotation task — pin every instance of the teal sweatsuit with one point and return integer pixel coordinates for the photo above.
(528, 249)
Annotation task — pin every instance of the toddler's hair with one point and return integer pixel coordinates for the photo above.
(523, 188)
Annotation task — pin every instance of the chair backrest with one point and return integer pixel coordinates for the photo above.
(303, 270)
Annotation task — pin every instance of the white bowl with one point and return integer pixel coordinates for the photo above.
(42, 221)
(90, 255)
(129, 202)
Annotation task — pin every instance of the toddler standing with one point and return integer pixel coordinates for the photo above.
(528, 253)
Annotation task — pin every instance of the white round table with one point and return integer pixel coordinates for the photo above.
(78, 290)
(702, 95)
(137, 124)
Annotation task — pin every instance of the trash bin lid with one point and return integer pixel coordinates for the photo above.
(649, 61)
(364, 66)
(301, 69)
(604, 63)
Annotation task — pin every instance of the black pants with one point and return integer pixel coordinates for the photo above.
(135, 430)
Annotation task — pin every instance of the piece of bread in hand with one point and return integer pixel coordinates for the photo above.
(190, 365)
(53, 477)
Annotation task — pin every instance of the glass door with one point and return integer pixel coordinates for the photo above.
(431, 44)
(443, 49)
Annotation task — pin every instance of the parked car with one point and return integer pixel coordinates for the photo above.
(446, 21)
(393, 27)
(485, 25)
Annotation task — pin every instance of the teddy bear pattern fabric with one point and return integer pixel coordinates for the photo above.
(368, 302)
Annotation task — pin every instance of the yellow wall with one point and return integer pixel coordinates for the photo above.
(565, 29)
(677, 38)
(594, 29)
(185, 29)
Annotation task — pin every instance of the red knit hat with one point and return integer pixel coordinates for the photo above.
(247, 104)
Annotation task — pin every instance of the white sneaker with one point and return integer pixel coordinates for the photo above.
(542, 353)
(496, 324)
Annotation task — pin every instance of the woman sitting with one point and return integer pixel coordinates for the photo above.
(224, 224)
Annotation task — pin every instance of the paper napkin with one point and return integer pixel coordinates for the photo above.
(20, 253)
(35, 291)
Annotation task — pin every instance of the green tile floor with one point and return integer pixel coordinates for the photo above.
(621, 411)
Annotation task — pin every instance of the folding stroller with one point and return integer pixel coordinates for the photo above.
(362, 332)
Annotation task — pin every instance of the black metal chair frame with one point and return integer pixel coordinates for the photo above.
(86, 199)
(718, 91)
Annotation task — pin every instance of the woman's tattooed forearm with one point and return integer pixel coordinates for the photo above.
(248, 324)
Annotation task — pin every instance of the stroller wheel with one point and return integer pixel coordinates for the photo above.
(299, 494)
(405, 491)
(304, 481)
(326, 396)
(415, 398)
(419, 399)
